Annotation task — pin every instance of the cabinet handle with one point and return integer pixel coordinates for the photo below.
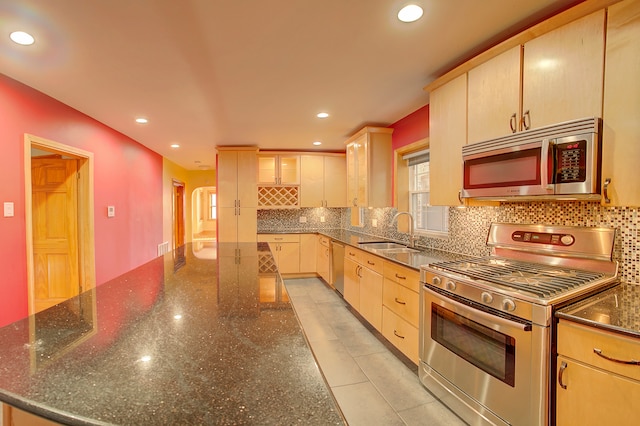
(619, 361)
(397, 335)
(460, 197)
(513, 122)
(370, 262)
(605, 190)
(400, 277)
(400, 302)
(278, 238)
(358, 270)
(563, 367)
(525, 124)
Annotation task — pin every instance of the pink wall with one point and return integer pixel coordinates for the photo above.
(127, 175)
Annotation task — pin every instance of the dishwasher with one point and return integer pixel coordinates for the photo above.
(337, 266)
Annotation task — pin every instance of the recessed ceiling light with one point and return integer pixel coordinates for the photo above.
(410, 13)
(175, 145)
(316, 143)
(142, 120)
(22, 38)
(322, 115)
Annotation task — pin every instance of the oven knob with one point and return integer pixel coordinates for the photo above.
(451, 286)
(567, 240)
(508, 305)
(486, 297)
(436, 281)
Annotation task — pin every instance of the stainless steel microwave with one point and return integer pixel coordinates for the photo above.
(561, 161)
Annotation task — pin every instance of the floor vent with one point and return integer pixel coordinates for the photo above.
(163, 248)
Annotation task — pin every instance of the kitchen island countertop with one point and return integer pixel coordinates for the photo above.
(197, 336)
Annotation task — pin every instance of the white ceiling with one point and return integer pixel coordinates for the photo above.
(237, 72)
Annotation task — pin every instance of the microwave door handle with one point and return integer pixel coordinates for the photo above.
(544, 166)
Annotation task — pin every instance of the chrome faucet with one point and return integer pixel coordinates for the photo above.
(412, 237)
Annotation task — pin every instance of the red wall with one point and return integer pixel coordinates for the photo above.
(127, 175)
(411, 128)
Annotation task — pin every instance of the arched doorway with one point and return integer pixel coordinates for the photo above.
(203, 220)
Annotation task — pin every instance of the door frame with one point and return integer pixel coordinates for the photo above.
(179, 213)
(86, 229)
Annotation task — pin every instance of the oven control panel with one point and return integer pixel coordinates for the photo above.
(543, 238)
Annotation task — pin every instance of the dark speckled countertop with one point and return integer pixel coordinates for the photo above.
(616, 309)
(197, 336)
(414, 260)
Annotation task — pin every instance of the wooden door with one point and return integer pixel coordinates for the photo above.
(335, 181)
(352, 283)
(178, 214)
(371, 297)
(54, 184)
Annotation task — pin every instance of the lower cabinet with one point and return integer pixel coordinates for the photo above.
(285, 249)
(401, 308)
(591, 389)
(15, 417)
(323, 258)
(308, 253)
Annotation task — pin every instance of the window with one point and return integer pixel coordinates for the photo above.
(427, 218)
(212, 206)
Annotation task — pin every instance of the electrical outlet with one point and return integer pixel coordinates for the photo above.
(321, 218)
(374, 223)
(303, 219)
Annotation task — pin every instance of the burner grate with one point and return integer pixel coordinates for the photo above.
(542, 281)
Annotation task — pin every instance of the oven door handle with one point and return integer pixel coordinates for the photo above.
(486, 317)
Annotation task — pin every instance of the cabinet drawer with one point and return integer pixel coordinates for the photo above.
(578, 341)
(400, 333)
(278, 238)
(324, 240)
(408, 277)
(402, 301)
(372, 262)
(353, 254)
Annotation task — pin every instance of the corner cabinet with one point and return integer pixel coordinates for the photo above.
(369, 168)
(237, 200)
(323, 181)
(591, 389)
(621, 126)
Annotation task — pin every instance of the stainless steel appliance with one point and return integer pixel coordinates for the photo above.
(559, 162)
(487, 333)
(337, 265)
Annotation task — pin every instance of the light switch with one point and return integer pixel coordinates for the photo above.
(8, 209)
(111, 211)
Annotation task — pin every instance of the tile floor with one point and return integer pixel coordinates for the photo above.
(371, 385)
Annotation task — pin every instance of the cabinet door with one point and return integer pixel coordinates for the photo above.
(494, 97)
(335, 181)
(371, 297)
(563, 72)
(227, 177)
(289, 169)
(594, 397)
(312, 178)
(352, 283)
(448, 133)
(247, 186)
(323, 259)
(352, 174)
(288, 258)
(362, 173)
(267, 169)
(229, 217)
(621, 127)
(308, 250)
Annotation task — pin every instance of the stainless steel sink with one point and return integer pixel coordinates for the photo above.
(383, 246)
(399, 250)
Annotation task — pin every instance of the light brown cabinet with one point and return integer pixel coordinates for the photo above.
(369, 168)
(401, 308)
(278, 169)
(323, 181)
(363, 284)
(621, 126)
(593, 390)
(323, 259)
(447, 136)
(285, 249)
(237, 201)
(308, 253)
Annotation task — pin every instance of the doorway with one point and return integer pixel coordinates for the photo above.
(203, 214)
(59, 222)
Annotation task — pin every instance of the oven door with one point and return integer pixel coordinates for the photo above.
(485, 359)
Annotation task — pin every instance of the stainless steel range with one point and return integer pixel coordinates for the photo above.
(487, 340)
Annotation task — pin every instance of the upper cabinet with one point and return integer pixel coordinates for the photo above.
(278, 169)
(369, 174)
(278, 180)
(553, 78)
(447, 135)
(621, 126)
(323, 180)
(236, 194)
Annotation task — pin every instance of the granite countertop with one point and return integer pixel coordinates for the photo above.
(413, 260)
(198, 336)
(616, 309)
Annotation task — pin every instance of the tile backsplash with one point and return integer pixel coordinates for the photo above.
(468, 227)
